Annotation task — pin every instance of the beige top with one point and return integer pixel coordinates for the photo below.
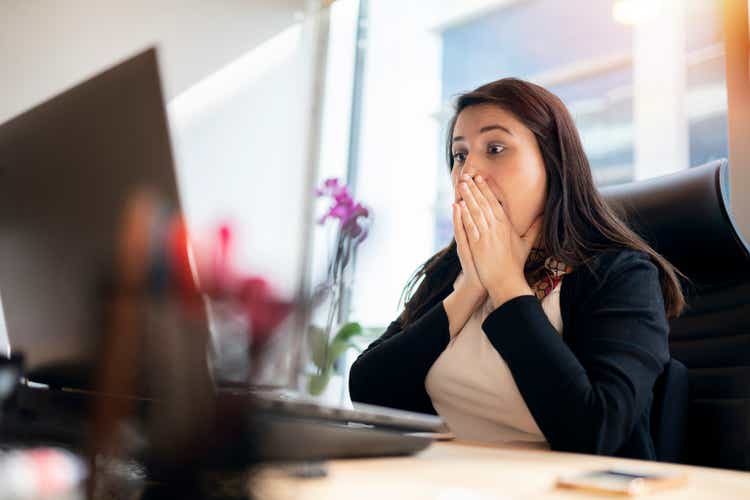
(472, 388)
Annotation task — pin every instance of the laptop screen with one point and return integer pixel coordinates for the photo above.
(68, 167)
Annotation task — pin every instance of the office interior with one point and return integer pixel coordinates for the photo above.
(270, 107)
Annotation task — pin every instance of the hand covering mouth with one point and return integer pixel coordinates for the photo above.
(458, 199)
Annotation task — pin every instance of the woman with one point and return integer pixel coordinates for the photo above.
(544, 323)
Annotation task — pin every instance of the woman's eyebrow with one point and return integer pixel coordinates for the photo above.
(486, 129)
(495, 127)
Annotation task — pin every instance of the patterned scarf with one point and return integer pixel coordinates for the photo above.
(545, 272)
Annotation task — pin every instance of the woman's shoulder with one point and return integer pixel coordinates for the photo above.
(620, 257)
(618, 296)
(608, 268)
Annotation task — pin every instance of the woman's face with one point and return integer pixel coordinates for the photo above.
(493, 143)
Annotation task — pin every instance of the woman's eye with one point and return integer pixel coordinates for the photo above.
(459, 157)
(495, 148)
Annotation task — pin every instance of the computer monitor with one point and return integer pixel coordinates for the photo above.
(67, 167)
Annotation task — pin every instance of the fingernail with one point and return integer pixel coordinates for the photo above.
(467, 177)
(463, 203)
(479, 178)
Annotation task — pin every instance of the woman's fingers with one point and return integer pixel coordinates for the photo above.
(481, 200)
(462, 244)
(472, 230)
(458, 228)
(470, 196)
(495, 208)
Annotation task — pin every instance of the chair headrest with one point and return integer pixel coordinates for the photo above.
(686, 217)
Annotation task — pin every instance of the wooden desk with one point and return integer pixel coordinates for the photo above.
(465, 471)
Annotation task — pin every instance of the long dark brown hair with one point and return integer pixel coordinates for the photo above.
(577, 223)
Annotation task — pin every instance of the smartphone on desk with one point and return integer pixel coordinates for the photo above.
(622, 482)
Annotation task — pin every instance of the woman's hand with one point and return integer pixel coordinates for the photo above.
(469, 280)
(468, 291)
(498, 252)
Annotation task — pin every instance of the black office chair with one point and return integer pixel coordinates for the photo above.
(686, 217)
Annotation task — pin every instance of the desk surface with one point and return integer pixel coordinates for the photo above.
(466, 471)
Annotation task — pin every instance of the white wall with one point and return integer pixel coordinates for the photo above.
(241, 143)
(49, 45)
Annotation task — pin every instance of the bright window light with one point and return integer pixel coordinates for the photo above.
(632, 12)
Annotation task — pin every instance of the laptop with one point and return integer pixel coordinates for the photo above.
(67, 168)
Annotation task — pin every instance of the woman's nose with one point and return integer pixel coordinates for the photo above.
(470, 168)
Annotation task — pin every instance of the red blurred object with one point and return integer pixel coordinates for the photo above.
(253, 295)
(222, 273)
(264, 310)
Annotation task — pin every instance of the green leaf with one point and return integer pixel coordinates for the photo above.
(318, 341)
(337, 349)
(347, 331)
(318, 383)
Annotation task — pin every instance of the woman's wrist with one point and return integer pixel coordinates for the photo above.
(502, 293)
(471, 294)
(460, 305)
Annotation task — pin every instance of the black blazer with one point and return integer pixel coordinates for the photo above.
(589, 390)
